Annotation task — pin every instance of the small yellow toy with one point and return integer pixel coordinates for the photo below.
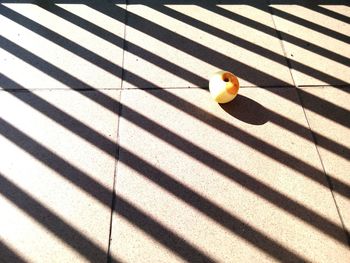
(223, 86)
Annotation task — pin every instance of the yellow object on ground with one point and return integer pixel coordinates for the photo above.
(223, 86)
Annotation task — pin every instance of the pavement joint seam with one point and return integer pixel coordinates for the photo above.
(280, 38)
(341, 87)
(116, 165)
(329, 180)
(117, 153)
(124, 43)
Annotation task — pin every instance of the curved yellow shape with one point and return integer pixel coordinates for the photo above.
(223, 86)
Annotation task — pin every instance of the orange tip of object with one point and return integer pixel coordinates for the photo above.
(232, 84)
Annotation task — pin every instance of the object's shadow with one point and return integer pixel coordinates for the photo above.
(247, 110)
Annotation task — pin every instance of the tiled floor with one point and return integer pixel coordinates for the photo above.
(112, 150)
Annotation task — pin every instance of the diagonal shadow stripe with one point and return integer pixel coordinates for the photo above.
(191, 2)
(286, 37)
(205, 54)
(324, 142)
(160, 233)
(64, 42)
(328, 12)
(296, 41)
(342, 113)
(42, 215)
(53, 161)
(218, 59)
(139, 51)
(265, 148)
(310, 25)
(9, 255)
(82, 244)
(229, 171)
(230, 2)
(252, 24)
(50, 159)
(259, 240)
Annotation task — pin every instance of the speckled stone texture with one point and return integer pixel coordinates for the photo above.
(327, 109)
(197, 181)
(57, 172)
(182, 45)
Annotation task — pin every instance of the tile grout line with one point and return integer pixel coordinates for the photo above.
(116, 162)
(329, 181)
(117, 152)
(124, 43)
(279, 36)
(341, 87)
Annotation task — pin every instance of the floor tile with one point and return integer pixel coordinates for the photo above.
(54, 46)
(198, 182)
(57, 172)
(182, 45)
(327, 110)
(316, 44)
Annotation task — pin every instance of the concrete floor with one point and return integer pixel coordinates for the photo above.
(112, 150)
